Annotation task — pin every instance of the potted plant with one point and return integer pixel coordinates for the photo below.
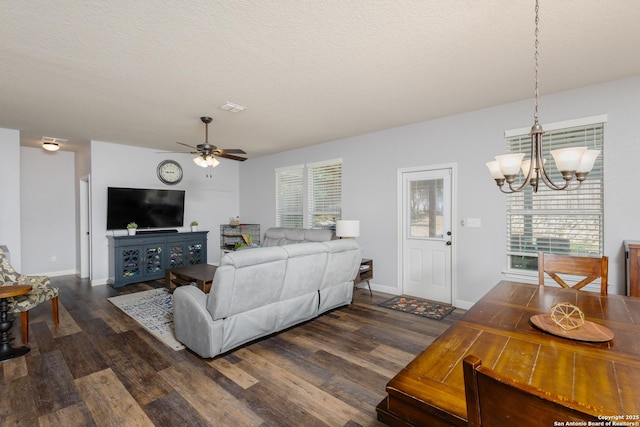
(194, 225)
(131, 228)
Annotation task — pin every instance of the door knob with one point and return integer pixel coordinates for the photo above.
(448, 242)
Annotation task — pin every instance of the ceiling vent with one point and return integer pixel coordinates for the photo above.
(234, 108)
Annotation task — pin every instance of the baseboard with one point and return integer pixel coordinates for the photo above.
(465, 305)
(98, 282)
(380, 288)
(56, 273)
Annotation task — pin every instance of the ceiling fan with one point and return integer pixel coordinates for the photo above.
(208, 152)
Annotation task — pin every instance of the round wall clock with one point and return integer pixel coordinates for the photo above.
(169, 172)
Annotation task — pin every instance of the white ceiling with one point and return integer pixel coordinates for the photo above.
(309, 71)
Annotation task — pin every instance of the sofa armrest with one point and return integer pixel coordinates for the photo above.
(193, 324)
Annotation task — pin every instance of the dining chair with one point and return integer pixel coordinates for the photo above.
(587, 267)
(494, 400)
(41, 291)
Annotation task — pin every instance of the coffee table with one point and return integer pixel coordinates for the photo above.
(201, 274)
(6, 321)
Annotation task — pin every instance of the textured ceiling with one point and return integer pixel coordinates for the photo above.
(309, 71)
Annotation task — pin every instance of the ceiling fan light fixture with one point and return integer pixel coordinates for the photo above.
(200, 162)
(206, 161)
(211, 161)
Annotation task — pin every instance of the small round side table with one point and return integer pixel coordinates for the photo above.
(6, 321)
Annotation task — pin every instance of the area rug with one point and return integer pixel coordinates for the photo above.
(153, 310)
(419, 307)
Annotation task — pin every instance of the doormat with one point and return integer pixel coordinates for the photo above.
(419, 307)
(153, 310)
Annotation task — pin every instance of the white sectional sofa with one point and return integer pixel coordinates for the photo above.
(259, 291)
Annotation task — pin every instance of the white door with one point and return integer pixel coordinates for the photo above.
(426, 234)
(85, 227)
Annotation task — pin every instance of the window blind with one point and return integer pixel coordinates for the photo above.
(563, 222)
(325, 194)
(289, 197)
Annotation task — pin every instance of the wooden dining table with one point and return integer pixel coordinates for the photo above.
(605, 376)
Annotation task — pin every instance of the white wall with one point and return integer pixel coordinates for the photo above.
(48, 212)
(371, 162)
(10, 194)
(210, 201)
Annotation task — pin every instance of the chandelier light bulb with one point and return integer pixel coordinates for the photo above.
(510, 163)
(494, 170)
(588, 160)
(568, 159)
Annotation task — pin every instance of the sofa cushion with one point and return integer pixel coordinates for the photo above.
(299, 298)
(305, 268)
(247, 280)
(279, 236)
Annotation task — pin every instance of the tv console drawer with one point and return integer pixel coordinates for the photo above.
(184, 237)
(140, 240)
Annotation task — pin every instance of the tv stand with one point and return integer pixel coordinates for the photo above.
(155, 231)
(134, 259)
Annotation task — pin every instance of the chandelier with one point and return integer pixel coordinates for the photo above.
(573, 161)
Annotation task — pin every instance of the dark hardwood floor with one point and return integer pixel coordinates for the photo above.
(99, 367)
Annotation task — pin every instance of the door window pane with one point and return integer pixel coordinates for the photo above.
(426, 208)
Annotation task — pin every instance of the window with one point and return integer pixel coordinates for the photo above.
(562, 222)
(325, 194)
(289, 209)
(320, 206)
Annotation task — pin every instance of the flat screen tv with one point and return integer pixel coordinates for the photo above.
(146, 207)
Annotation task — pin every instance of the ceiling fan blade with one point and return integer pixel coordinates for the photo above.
(186, 145)
(230, 156)
(232, 151)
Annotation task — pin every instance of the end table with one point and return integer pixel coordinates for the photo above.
(365, 273)
(6, 321)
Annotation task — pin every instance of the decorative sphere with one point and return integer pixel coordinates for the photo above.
(567, 316)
